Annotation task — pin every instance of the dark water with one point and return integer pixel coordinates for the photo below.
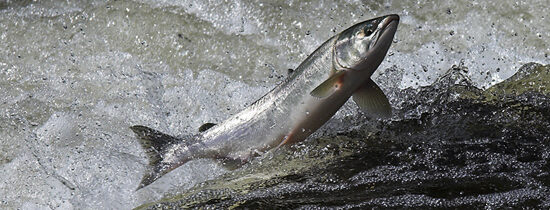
(450, 145)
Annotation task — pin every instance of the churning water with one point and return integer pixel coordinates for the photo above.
(74, 75)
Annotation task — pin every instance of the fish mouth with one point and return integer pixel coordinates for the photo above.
(389, 27)
(389, 19)
(386, 33)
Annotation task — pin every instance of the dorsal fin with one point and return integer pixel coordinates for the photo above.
(153, 142)
(206, 126)
(289, 72)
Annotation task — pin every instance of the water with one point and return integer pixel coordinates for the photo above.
(75, 75)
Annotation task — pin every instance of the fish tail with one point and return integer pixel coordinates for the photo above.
(154, 143)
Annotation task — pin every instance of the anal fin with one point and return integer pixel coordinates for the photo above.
(372, 101)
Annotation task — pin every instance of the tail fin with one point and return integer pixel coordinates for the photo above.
(154, 143)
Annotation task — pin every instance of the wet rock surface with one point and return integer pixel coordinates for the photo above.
(448, 145)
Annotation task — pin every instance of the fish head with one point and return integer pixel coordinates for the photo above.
(364, 45)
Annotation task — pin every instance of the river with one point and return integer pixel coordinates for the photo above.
(74, 75)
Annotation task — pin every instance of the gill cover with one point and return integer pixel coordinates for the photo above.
(353, 44)
(350, 49)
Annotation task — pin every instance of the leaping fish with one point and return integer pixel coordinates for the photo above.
(340, 68)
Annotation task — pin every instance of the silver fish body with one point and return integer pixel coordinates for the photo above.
(314, 92)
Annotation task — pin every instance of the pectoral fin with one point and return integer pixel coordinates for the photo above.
(328, 86)
(370, 98)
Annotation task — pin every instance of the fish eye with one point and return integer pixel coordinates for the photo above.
(368, 31)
